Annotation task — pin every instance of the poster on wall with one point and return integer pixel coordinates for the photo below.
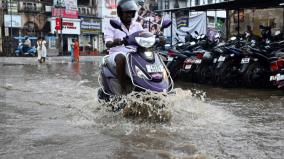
(182, 18)
(108, 11)
(149, 20)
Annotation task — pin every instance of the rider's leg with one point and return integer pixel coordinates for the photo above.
(120, 61)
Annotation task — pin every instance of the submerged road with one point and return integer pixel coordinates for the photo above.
(51, 111)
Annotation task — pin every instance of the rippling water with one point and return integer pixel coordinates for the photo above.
(51, 111)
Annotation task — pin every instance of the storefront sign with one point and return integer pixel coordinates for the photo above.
(69, 26)
(61, 12)
(91, 26)
(58, 24)
(14, 21)
(67, 4)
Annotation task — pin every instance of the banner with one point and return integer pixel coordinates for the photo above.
(69, 26)
(182, 19)
(63, 13)
(90, 26)
(67, 4)
(195, 23)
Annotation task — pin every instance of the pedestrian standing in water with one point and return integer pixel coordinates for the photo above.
(72, 51)
(41, 50)
(76, 50)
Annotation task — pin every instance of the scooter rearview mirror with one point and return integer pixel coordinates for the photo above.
(166, 23)
(115, 24)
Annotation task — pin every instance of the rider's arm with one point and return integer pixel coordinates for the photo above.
(115, 42)
(109, 36)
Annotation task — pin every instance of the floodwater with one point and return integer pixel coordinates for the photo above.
(51, 111)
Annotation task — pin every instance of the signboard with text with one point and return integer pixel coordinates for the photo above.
(67, 4)
(90, 26)
(61, 12)
(14, 21)
(69, 26)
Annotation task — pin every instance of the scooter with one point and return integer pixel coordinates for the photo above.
(147, 71)
(21, 50)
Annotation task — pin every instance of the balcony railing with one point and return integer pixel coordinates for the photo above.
(87, 11)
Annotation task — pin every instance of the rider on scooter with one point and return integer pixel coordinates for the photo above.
(126, 10)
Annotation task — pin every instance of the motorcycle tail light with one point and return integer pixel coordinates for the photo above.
(170, 53)
(280, 63)
(274, 66)
(199, 55)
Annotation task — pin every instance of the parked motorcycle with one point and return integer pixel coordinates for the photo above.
(277, 69)
(23, 50)
(146, 69)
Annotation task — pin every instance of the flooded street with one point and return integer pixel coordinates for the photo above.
(51, 111)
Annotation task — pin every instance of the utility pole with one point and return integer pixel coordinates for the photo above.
(11, 28)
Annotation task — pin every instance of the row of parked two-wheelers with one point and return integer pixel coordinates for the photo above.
(244, 60)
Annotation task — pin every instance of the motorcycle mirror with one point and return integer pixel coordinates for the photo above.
(115, 24)
(277, 33)
(202, 36)
(166, 23)
(233, 38)
(196, 32)
(167, 45)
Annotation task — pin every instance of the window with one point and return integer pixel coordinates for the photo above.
(197, 2)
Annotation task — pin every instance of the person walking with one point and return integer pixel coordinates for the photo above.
(41, 50)
(76, 50)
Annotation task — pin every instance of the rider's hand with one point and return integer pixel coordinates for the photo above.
(162, 40)
(117, 42)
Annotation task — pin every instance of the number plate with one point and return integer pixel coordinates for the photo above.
(221, 58)
(273, 78)
(197, 61)
(170, 58)
(187, 67)
(154, 68)
(279, 77)
(245, 60)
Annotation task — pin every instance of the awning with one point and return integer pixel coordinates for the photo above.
(232, 5)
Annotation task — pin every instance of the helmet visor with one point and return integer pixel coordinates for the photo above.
(128, 6)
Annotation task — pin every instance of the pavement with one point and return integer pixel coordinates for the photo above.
(49, 60)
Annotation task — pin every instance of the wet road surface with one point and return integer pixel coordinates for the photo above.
(51, 111)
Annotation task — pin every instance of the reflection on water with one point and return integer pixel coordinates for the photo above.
(51, 111)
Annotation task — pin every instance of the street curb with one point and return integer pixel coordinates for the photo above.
(49, 60)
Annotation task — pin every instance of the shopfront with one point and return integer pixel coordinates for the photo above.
(71, 28)
(90, 35)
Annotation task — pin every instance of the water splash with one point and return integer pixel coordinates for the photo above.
(144, 106)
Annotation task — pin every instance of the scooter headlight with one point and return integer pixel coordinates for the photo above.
(145, 42)
(149, 55)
